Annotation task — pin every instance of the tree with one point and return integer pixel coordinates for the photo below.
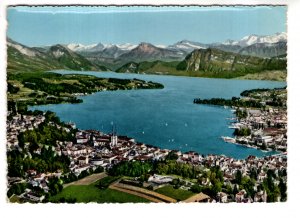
(235, 190)
(21, 140)
(238, 177)
(196, 188)
(283, 188)
(248, 185)
(229, 189)
(134, 169)
(172, 156)
(273, 191)
(253, 173)
(244, 131)
(216, 187)
(17, 189)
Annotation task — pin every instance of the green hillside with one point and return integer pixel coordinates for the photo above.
(21, 58)
(212, 63)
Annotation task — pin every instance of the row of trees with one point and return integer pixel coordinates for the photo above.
(241, 113)
(274, 191)
(214, 175)
(244, 131)
(45, 135)
(43, 138)
(138, 168)
(19, 163)
(129, 168)
(17, 188)
(84, 85)
(236, 102)
(181, 169)
(247, 93)
(54, 88)
(142, 169)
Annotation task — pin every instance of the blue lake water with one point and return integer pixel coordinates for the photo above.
(164, 117)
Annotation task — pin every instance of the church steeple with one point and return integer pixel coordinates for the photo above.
(114, 137)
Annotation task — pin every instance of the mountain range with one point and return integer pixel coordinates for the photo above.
(251, 53)
(115, 55)
(185, 45)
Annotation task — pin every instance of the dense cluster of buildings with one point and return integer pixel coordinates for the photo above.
(268, 126)
(20, 123)
(91, 149)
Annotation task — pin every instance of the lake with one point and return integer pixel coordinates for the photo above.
(164, 117)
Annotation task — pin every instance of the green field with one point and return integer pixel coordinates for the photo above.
(178, 194)
(90, 193)
(266, 75)
(15, 199)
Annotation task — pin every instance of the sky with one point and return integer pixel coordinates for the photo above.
(39, 26)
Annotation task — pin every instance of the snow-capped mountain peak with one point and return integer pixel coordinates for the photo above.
(187, 45)
(161, 46)
(230, 42)
(126, 46)
(253, 39)
(79, 47)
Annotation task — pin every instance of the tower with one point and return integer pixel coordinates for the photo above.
(114, 137)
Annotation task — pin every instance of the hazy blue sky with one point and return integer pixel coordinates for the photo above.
(35, 26)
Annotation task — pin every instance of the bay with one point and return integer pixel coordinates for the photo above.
(167, 117)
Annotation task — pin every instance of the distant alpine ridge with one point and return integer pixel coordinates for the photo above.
(228, 59)
(253, 39)
(185, 46)
(115, 55)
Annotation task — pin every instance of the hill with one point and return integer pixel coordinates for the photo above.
(26, 59)
(148, 52)
(213, 62)
(209, 62)
(154, 67)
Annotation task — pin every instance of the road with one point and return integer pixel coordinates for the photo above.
(87, 180)
(144, 193)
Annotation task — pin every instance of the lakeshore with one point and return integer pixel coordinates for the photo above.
(145, 104)
(69, 155)
(148, 115)
(261, 118)
(91, 150)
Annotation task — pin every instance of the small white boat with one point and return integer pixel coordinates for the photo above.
(232, 127)
(228, 139)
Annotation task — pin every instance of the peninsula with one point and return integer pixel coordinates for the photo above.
(261, 118)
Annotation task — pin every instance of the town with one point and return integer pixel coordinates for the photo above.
(261, 118)
(250, 180)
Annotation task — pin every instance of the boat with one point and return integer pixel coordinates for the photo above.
(231, 118)
(233, 127)
(228, 139)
